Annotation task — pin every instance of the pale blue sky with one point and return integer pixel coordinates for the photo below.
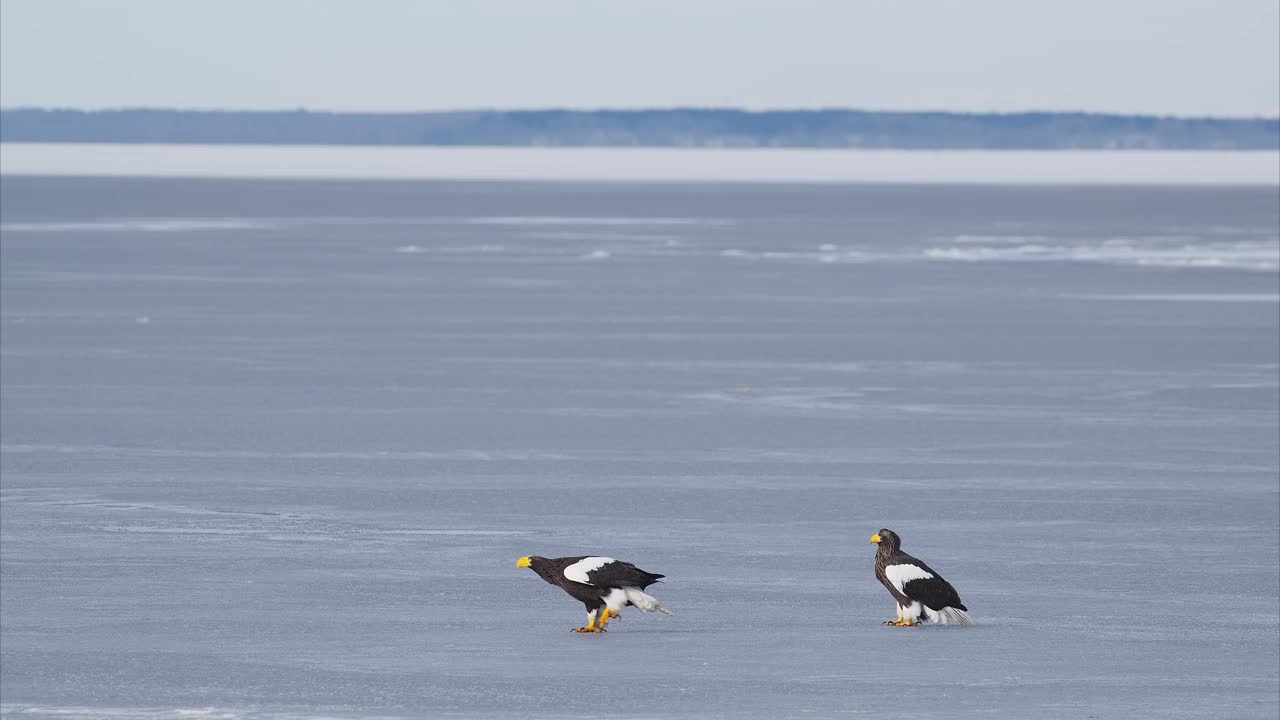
(1202, 57)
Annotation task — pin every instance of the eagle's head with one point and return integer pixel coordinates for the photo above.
(888, 540)
(546, 569)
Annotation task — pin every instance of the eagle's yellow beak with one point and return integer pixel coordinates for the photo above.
(875, 538)
(523, 562)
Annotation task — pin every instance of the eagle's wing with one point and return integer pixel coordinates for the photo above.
(605, 572)
(921, 583)
(622, 574)
(934, 593)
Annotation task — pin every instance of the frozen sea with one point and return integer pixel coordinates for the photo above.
(271, 448)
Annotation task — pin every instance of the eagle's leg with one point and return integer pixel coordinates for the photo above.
(591, 627)
(609, 614)
(604, 620)
(895, 622)
(910, 616)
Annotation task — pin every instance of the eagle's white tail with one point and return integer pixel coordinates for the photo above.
(644, 600)
(948, 614)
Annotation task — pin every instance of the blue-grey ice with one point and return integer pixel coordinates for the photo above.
(272, 448)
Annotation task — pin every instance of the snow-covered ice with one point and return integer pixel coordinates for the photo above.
(589, 164)
(299, 489)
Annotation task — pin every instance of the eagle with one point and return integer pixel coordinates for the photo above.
(916, 586)
(603, 584)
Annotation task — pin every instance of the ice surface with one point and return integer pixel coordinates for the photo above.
(1158, 251)
(300, 489)
(1108, 167)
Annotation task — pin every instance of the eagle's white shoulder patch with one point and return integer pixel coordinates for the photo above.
(577, 572)
(900, 575)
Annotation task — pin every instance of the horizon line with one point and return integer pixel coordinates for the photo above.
(636, 109)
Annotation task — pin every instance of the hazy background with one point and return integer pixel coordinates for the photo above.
(1141, 56)
(274, 437)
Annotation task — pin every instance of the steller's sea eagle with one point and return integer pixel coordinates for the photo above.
(603, 584)
(916, 587)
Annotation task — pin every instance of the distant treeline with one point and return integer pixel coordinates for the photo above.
(648, 128)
